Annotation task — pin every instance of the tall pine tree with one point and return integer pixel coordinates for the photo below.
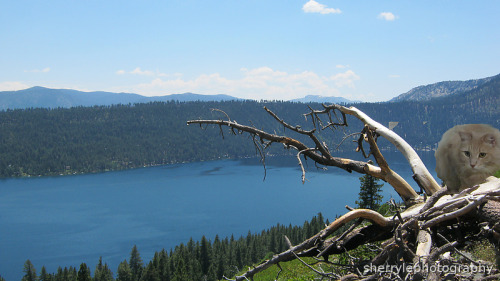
(84, 273)
(44, 276)
(136, 265)
(29, 272)
(369, 193)
(124, 272)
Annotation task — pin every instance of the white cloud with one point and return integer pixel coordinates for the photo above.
(388, 16)
(138, 71)
(345, 79)
(394, 76)
(315, 7)
(45, 70)
(342, 66)
(258, 83)
(12, 86)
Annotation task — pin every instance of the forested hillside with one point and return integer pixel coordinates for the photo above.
(200, 260)
(92, 139)
(441, 89)
(422, 123)
(54, 98)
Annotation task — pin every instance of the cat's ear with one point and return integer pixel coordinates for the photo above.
(464, 136)
(490, 139)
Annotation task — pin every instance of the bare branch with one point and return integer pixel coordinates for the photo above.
(447, 216)
(320, 153)
(301, 165)
(297, 128)
(397, 182)
(216, 109)
(346, 164)
(423, 176)
(426, 180)
(407, 238)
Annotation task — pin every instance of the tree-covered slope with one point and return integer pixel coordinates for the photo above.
(92, 139)
(40, 97)
(441, 89)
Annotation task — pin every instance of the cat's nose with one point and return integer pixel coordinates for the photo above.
(473, 165)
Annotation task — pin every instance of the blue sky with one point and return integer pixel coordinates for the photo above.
(367, 50)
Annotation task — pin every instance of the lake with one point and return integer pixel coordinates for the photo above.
(67, 220)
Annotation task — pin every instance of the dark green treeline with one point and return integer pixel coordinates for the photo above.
(94, 139)
(200, 260)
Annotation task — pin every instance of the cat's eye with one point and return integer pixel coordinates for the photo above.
(482, 155)
(467, 153)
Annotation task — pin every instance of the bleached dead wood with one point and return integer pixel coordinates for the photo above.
(411, 235)
(321, 154)
(414, 220)
(422, 175)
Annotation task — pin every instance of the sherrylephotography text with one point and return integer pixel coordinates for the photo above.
(415, 268)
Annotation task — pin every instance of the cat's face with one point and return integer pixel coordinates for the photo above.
(477, 153)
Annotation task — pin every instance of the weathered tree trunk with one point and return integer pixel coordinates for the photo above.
(418, 236)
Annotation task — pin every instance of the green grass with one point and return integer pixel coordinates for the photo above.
(497, 174)
(292, 270)
(296, 270)
(483, 250)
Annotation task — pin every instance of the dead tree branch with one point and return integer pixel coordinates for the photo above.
(418, 235)
(320, 153)
(423, 177)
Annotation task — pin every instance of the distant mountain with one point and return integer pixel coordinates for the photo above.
(91, 139)
(441, 89)
(193, 97)
(322, 99)
(40, 97)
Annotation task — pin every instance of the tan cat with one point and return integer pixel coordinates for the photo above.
(467, 155)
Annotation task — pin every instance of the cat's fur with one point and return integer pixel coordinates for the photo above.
(467, 155)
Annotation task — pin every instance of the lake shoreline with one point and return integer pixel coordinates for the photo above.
(74, 173)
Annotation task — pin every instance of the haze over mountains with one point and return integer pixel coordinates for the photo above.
(40, 97)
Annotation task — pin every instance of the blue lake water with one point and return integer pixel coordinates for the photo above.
(67, 220)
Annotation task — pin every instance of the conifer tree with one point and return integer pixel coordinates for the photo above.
(150, 273)
(369, 193)
(59, 275)
(136, 264)
(102, 272)
(44, 276)
(84, 273)
(29, 272)
(72, 274)
(163, 268)
(181, 272)
(205, 255)
(124, 273)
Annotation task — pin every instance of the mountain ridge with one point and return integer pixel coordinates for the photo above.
(63, 140)
(323, 99)
(41, 97)
(441, 89)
